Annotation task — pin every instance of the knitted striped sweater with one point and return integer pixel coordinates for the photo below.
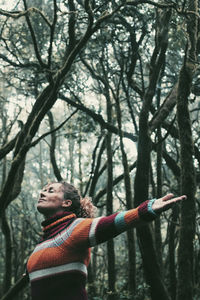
(58, 266)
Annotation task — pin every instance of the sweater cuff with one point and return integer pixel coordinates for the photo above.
(146, 212)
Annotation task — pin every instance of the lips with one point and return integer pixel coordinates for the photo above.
(41, 200)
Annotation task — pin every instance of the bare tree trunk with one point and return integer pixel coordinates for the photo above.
(129, 205)
(158, 236)
(71, 143)
(172, 262)
(80, 157)
(150, 261)
(40, 166)
(8, 254)
(188, 186)
(109, 205)
(95, 173)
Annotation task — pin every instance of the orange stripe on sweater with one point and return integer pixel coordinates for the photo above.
(51, 257)
(80, 234)
(132, 216)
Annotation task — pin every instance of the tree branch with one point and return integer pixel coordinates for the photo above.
(98, 118)
(52, 148)
(35, 45)
(52, 28)
(13, 291)
(19, 14)
(52, 131)
(102, 192)
(8, 147)
(71, 25)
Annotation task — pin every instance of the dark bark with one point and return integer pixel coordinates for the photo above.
(172, 261)
(92, 184)
(164, 110)
(109, 202)
(129, 205)
(98, 118)
(8, 147)
(172, 164)
(159, 180)
(13, 291)
(188, 186)
(79, 142)
(52, 148)
(109, 210)
(95, 169)
(102, 192)
(151, 266)
(8, 253)
(91, 282)
(36, 141)
(158, 236)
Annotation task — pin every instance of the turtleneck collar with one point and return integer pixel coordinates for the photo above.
(56, 223)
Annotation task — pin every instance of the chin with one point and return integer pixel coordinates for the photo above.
(42, 209)
(46, 211)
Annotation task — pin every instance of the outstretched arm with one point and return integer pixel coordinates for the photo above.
(90, 232)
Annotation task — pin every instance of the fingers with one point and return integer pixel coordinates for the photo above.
(180, 198)
(170, 197)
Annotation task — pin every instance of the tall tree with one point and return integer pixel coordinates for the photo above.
(141, 184)
(188, 186)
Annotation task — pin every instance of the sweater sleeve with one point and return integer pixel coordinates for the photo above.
(91, 232)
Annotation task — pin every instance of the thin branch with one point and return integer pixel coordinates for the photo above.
(53, 147)
(19, 14)
(89, 12)
(35, 45)
(102, 192)
(71, 25)
(52, 27)
(52, 131)
(98, 118)
(159, 5)
(20, 65)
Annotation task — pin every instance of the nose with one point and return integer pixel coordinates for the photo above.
(42, 194)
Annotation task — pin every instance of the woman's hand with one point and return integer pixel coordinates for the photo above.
(166, 202)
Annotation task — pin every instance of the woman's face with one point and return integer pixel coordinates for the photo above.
(51, 199)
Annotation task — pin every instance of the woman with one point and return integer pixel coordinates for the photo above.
(58, 266)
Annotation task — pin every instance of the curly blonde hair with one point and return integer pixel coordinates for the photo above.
(82, 207)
